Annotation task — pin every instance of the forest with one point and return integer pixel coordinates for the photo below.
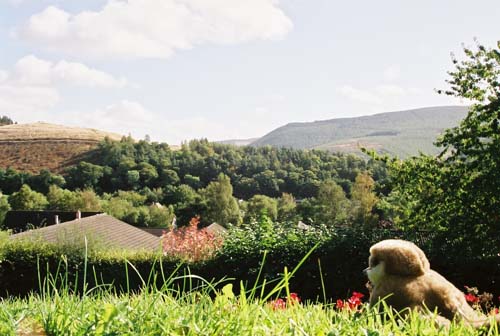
(147, 184)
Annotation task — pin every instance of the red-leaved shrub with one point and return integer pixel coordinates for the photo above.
(189, 243)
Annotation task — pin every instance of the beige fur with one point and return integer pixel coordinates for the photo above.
(400, 273)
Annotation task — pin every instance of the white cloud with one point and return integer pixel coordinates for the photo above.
(124, 113)
(31, 86)
(26, 100)
(123, 117)
(80, 74)
(31, 70)
(3, 75)
(155, 28)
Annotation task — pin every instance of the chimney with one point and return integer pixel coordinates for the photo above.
(56, 219)
(78, 215)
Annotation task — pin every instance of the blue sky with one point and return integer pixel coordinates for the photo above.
(222, 69)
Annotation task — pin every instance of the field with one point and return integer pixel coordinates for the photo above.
(32, 147)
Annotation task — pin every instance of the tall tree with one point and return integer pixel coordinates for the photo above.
(363, 200)
(221, 206)
(332, 204)
(261, 204)
(458, 192)
(287, 208)
(27, 199)
(4, 208)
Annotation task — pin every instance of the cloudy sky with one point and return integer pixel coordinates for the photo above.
(222, 69)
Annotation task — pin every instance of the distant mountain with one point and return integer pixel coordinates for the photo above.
(32, 147)
(401, 134)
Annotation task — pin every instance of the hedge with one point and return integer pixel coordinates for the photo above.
(342, 254)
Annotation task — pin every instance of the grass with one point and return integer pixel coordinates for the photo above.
(189, 305)
(164, 312)
(45, 131)
(47, 146)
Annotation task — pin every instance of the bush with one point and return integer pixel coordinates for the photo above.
(341, 252)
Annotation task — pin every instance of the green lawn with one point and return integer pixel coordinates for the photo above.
(165, 312)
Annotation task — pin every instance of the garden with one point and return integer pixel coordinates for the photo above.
(266, 275)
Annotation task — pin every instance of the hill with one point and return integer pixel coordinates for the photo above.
(32, 147)
(402, 133)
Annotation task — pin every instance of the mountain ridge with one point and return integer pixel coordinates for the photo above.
(398, 133)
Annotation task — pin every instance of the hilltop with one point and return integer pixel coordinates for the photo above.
(402, 133)
(36, 146)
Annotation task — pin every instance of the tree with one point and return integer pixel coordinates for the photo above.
(287, 208)
(363, 200)
(87, 200)
(261, 204)
(27, 199)
(4, 120)
(85, 175)
(4, 208)
(221, 206)
(62, 199)
(160, 216)
(458, 192)
(44, 180)
(332, 204)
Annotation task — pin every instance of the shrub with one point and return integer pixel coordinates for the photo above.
(189, 243)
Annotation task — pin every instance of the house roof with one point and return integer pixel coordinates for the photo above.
(215, 228)
(101, 228)
(22, 220)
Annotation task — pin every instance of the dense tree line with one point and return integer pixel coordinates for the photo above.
(222, 183)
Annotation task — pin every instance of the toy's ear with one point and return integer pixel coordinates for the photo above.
(401, 257)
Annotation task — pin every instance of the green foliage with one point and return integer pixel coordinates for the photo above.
(85, 175)
(11, 180)
(4, 207)
(62, 199)
(160, 216)
(332, 204)
(4, 120)
(87, 200)
(44, 180)
(27, 199)
(221, 206)
(458, 192)
(250, 254)
(287, 208)
(259, 204)
(364, 200)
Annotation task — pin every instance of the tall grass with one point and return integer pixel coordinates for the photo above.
(188, 305)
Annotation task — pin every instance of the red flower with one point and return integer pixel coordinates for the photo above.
(471, 298)
(294, 298)
(278, 304)
(357, 295)
(494, 311)
(352, 303)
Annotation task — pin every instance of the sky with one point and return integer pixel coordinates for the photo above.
(228, 69)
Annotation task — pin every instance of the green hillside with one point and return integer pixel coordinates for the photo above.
(402, 134)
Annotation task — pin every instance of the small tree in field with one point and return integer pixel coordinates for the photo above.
(190, 244)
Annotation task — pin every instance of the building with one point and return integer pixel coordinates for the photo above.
(100, 230)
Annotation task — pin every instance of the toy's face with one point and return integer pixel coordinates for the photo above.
(375, 271)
